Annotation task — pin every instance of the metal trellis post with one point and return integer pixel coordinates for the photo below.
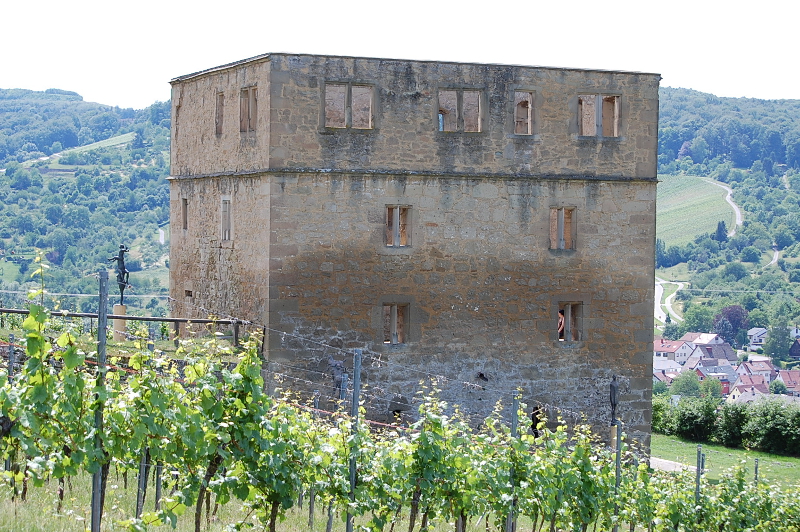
(10, 377)
(141, 488)
(343, 390)
(97, 478)
(511, 519)
(354, 421)
(618, 467)
(697, 476)
(159, 471)
(11, 356)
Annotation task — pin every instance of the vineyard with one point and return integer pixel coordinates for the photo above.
(205, 433)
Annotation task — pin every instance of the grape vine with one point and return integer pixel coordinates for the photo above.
(217, 434)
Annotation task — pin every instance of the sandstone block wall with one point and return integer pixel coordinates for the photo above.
(210, 276)
(291, 132)
(482, 285)
(480, 282)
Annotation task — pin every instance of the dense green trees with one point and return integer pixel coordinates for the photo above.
(777, 387)
(33, 124)
(686, 384)
(702, 127)
(778, 340)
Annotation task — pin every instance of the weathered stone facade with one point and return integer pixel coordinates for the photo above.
(283, 219)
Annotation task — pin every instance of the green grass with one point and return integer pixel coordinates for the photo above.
(776, 469)
(38, 512)
(113, 141)
(679, 272)
(689, 206)
(8, 271)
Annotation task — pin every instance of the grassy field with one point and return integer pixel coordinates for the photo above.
(689, 206)
(38, 513)
(679, 272)
(113, 141)
(781, 470)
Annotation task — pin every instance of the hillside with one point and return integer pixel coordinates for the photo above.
(77, 205)
(684, 197)
(105, 185)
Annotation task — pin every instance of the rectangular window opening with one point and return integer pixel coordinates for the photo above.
(187, 293)
(398, 228)
(587, 115)
(570, 322)
(220, 113)
(361, 106)
(226, 220)
(184, 213)
(562, 228)
(335, 98)
(448, 111)
(610, 118)
(395, 317)
(598, 115)
(523, 113)
(472, 111)
(248, 110)
(460, 110)
(348, 106)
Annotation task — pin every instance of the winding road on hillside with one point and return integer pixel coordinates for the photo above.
(659, 306)
(660, 315)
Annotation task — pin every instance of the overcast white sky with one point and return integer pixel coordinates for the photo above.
(125, 53)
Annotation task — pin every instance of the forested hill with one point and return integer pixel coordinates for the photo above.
(80, 179)
(33, 124)
(707, 129)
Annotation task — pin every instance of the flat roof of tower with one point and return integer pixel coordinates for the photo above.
(268, 56)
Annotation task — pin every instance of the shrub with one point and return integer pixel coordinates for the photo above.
(696, 419)
(731, 423)
(751, 254)
(662, 414)
(769, 427)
